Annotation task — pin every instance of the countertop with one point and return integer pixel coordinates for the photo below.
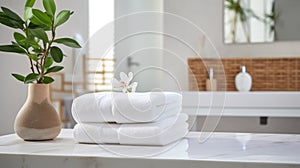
(219, 150)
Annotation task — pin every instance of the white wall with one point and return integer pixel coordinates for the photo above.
(12, 92)
(133, 17)
(287, 24)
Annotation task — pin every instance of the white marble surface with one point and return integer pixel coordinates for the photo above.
(220, 150)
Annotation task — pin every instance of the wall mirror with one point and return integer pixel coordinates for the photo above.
(253, 21)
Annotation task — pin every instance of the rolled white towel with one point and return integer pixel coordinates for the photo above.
(156, 133)
(126, 108)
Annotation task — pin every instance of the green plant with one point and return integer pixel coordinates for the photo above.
(241, 14)
(36, 39)
(271, 18)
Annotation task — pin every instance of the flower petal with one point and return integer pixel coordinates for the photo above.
(124, 78)
(130, 76)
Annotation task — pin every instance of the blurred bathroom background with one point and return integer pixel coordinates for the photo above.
(174, 33)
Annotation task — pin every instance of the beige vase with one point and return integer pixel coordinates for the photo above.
(37, 119)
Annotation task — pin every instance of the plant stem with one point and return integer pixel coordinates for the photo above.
(37, 68)
(31, 65)
(235, 19)
(245, 31)
(44, 58)
(30, 60)
(233, 29)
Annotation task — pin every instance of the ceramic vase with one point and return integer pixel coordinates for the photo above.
(37, 119)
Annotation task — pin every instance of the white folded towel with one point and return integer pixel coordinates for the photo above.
(176, 149)
(126, 108)
(156, 133)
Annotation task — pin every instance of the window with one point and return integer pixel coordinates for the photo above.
(98, 68)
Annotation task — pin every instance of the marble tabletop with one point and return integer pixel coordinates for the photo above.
(219, 150)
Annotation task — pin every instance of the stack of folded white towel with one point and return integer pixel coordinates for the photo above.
(152, 118)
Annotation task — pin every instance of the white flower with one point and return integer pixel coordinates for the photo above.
(124, 84)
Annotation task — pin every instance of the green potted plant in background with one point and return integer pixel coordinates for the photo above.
(241, 14)
(36, 39)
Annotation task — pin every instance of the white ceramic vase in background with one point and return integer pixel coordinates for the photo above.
(37, 119)
(243, 80)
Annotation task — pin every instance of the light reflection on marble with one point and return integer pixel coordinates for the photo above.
(283, 149)
(248, 148)
(243, 138)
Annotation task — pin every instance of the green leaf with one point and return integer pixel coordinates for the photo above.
(36, 21)
(31, 78)
(62, 17)
(2, 13)
(50, 7)
(48, 80)
(41, 16)
(12, 48)
(54, 69)
(37, 50)
(39, 33)
(14, 43)
(33, 56)
(19, 77)
(20, 39)
(47, 28)
(18, 36)
(29, 3)
(31, 43)
(36, 25)
(68, 42)
(5, 20)
(49, 62)
(28, 13)
(56, 54)
(12, 15)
